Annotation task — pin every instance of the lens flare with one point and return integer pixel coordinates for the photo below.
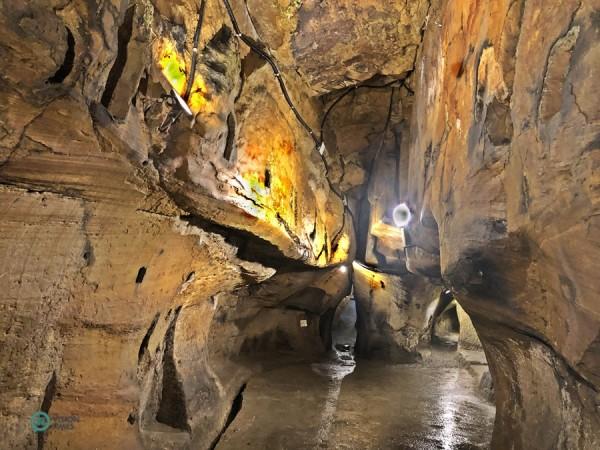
(401, 215)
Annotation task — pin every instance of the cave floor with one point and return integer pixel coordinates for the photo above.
(431, 405)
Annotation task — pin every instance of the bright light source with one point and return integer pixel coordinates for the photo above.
(401, 215)
(183, 104)
(343, 269)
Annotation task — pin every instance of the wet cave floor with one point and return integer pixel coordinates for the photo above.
(431, 405)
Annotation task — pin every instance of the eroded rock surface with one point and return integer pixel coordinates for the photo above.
(394, 314)
(144, 251)
(340, 43)
(165, 235)
(505, 155)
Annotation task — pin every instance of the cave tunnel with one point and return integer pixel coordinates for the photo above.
(344, 224)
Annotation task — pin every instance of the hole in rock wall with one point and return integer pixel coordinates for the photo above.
(172, 410)
(67, 66)
(140, 275)
(229, 153)
(124, 36)
(343, 329)
(446, 327)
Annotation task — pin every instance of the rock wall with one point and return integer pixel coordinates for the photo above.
(144, 254)
(468, 338)
(340, 43)
(504, 157)
(393, 314)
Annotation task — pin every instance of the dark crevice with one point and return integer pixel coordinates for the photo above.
(172, 409)
(267, 178)
(313, 233)
(49, 394)
(67, 66)
(250, 247)
(140, 275)
(251, 63)
(142, 88)
(229, 153)
(325, 327)
(146, 340)
(236, 407)
(124, 36)
(221, 41)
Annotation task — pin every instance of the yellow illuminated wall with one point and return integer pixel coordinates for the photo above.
(270, 183)
(175, 69)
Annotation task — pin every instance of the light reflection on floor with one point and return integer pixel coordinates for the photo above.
(335, 373)
(448, 412)
(376, 406)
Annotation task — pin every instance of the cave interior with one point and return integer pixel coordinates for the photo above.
(292, 224)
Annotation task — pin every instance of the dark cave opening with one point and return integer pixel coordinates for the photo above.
(67, 65)
(446, 326)
(343, 330)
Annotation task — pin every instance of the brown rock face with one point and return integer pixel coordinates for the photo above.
(143, 251)
(339, 43)
(505, 154)
(167, 232)
(394, 314)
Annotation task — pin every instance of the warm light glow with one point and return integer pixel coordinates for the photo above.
(342, 250)
(401, 215)
(271, 185)
(198, 100)
(388, 232)
(174, 68)
(373, 278)
(343, 269)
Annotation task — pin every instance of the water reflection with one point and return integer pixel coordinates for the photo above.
(335, 371)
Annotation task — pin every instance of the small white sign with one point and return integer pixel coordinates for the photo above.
(303, 323)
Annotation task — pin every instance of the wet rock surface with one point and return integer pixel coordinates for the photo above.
(378, 406)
